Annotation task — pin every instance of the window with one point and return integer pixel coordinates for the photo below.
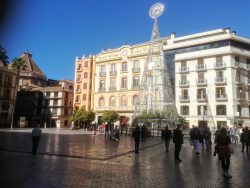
(221, 110)
(202, 110)
(184, 110)
(112, 101)
(65, 111)
(77, 98)
(54, 111)
(112, 83)
(124, 66)
(102, 84)
(55, 94)
(135, 100)
(135, 81)
(201, 94)
(103, 68)
(79, 67)
(237, 59)
(55, 103)
(123, 100)
(239, 110)
(219, 59)
(112, 67)
(136, 65)
(86, 64)
(84, 97)
(78, 78)
(84, 85)
(85, 75)
(101, 102)
(124, 82)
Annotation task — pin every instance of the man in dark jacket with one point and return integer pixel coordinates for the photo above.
(178, 141)
(136, 135)
(166, 135)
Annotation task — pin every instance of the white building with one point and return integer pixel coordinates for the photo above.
(212, 77)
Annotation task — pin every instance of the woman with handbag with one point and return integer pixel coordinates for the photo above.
(223, 149)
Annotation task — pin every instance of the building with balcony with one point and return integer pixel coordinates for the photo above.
(83, 92)
(209, 73)
(7, 95)
(211, 77)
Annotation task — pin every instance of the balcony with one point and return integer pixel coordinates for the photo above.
(136, 70)
(220, 96)
(79, 69)
(113, 73)
(78, 79)
(78, 90)
(77, 101)
(112, 89)
(136, 87)
(240, 80)
(184, 69)
(201, 82)
(184, 98)
(102, 74)
(201, 97)
(241, 96)
(184, 83)
(101, 89)
(201, 67)
(220, 80)
(237, 64)
(219, 65)
(116, 108)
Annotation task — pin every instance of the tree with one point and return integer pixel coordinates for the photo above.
(17, 65)
(110, 116)
(83, 118)
(3, 56)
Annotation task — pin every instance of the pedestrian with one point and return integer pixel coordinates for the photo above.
(143, 133)
(178, 141)
(224, 154)
(195, 138)
(116, 134)
(207, 136)
(136, 135)
(244, 138)
(202, 135)
(36, 136)
(166, 135)
(106, 130)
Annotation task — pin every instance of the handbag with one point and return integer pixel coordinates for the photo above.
(231, 148)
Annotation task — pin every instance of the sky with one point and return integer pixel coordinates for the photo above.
(56, 31)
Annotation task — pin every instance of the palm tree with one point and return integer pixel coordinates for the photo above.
(17, 65)
(3, 56)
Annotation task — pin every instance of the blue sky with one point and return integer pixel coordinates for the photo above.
(56, 31)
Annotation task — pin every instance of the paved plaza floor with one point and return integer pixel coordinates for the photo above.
(77, 160)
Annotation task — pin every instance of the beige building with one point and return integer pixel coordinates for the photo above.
(60, 102)
(83, 93)
(117, 79)
(7, 95)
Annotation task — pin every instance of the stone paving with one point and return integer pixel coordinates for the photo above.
(80, 160)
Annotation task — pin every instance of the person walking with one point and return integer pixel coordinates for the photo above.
(36, 136)
(207, 137)
(116, 134)
(244, 138)
(178, 141)
(224, 154)
(136, 134)
(195, 138)
(166, 136)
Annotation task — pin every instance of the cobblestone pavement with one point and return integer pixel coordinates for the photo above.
(67, 160)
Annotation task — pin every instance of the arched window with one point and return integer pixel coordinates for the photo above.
(135, 100)
(123, 100)
(101, 101)
(112, 101)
